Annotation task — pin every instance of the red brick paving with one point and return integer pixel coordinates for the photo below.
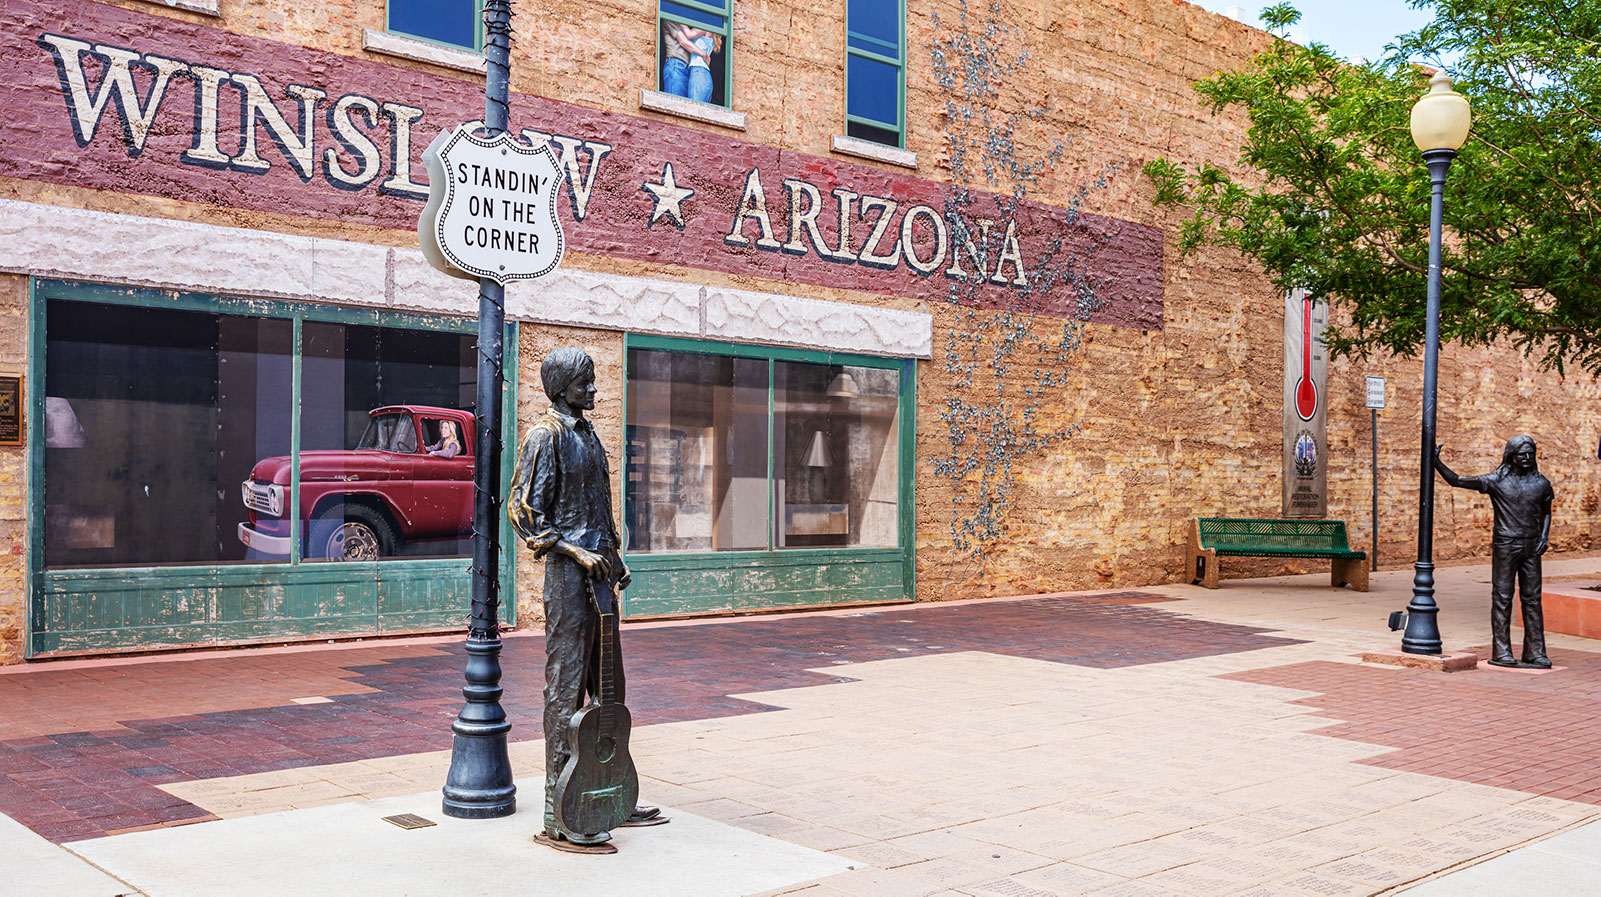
(1533, 732)
(42, 700)
(100, 775)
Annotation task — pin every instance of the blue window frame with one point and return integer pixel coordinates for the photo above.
(453, 23)
(705, 80)
(875, 71)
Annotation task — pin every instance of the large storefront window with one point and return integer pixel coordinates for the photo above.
(168, 439)
(218, 470)
(701, 477)
(836, 453)
(385, 463)
(697, 452)
(764, 477)
(153, 418)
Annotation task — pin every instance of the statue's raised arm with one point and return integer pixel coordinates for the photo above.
(1452, 477)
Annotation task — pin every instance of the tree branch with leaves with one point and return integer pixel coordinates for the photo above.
(1331, 194)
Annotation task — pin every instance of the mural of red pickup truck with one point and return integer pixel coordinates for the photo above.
(409, 480)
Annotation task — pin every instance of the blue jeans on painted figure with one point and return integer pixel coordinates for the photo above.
(700, 83)
(675, 77)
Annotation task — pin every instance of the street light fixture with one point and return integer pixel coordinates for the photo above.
(1440, 122)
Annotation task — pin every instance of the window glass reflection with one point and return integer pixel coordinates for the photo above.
(696, 477)
(836, 464)
(153, 419)
(379, 476)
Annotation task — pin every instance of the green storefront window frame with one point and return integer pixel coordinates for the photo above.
(896, 57)
(724, 9)
(713, 563)
(289, 573)
(478, 31)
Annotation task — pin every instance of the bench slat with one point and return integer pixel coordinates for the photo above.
(1276, 538)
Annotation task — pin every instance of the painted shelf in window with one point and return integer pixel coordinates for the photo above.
(422, 51)
(683, 107)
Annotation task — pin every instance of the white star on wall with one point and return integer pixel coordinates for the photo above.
(669, 197)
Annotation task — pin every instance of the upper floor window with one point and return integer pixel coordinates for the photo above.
(456, 23)
(692, 46)
(875, 71)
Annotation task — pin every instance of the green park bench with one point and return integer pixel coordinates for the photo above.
(1213, 537)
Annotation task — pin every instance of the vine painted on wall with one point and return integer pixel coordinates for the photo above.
(1007, 364)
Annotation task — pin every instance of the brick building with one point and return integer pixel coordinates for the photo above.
(879, 305)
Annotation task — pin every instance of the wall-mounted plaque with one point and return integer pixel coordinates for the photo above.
(10, 410)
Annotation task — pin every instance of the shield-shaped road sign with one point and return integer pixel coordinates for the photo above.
(491, 208)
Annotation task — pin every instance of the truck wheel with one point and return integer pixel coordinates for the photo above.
(350, 532)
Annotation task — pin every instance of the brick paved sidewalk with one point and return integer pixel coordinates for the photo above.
(1173, 741)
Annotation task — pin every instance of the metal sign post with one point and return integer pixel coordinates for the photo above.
(1375, 393)
(479, 784)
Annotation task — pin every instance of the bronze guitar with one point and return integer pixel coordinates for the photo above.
(598, 787)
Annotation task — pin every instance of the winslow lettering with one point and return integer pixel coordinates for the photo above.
(351, 156)
(357, 141)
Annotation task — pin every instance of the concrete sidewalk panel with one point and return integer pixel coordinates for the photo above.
(348, 849)
(1566, 865)
(35, 866)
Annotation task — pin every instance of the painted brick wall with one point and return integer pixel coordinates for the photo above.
(1177, 421)
(607, 351)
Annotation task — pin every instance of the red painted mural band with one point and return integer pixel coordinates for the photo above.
(114, 99)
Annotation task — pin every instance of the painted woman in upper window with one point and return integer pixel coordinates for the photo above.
(702, 44)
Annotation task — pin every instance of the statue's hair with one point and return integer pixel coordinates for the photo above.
(1513, 445)
(561, 367)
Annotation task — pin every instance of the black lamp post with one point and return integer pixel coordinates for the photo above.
(479, 784)
(1440, 122)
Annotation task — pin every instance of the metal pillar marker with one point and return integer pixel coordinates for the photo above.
(464, 205)
(1375, 397)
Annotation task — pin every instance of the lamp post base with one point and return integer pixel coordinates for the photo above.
(1422, 634)
(479, 785)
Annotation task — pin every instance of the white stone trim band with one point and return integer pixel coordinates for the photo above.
(56, 241)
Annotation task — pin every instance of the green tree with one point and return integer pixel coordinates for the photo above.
(1338, 200)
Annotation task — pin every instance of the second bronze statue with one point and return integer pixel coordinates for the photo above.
(560, 504)
(1521, 497)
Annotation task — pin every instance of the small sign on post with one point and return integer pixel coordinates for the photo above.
(491, 208)
(1376, 393)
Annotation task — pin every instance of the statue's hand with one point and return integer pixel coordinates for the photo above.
(594, 565)
(626, 578)
(1540, 549)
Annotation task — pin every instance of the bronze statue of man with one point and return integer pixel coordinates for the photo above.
(560, 504)
(1521, 497)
